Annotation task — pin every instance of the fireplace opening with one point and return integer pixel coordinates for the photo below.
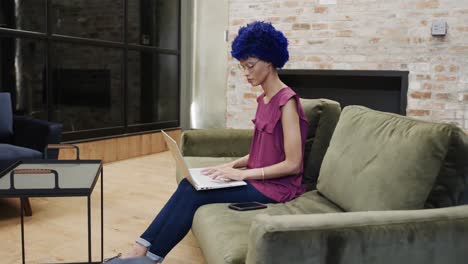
(379, 90)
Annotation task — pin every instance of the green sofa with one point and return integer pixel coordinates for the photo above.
(368, 175)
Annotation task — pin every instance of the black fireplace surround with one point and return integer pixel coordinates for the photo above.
(379, 90)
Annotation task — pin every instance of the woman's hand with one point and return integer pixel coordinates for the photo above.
(209, 170)
(224, 173)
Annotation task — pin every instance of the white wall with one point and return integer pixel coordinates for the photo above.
(209, 68)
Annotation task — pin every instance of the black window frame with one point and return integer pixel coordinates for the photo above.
(109, 132)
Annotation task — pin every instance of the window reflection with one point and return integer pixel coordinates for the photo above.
(22, 71)
(26, 15)
(81, 85)
(86, 87)
(154, 23)
(102, 19)
(153, 87)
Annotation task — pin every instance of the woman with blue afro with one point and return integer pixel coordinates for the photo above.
(272, 169)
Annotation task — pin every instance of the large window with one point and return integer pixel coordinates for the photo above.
(101, 68)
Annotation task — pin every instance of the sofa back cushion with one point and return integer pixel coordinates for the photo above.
(382, 161)
(450, 188)
(322, 115)
(6, 118)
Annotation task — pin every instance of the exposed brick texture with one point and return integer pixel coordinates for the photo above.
(366, 35)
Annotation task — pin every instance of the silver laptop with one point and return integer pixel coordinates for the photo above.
(194, 175)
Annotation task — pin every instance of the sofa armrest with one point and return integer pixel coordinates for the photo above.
(36, 134)
(216, 142)
(414, 236)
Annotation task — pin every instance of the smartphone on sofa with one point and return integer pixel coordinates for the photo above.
(247, 206)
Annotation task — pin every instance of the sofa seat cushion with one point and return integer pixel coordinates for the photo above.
(11, 152)
(223, 233)
(382, 161)
(202, 162)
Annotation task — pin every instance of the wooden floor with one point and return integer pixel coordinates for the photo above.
(134, 191)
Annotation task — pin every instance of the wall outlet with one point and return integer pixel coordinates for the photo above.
(439, 28)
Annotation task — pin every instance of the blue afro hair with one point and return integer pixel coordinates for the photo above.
(261, 40)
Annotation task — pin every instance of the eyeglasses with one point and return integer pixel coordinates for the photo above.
(248, 66)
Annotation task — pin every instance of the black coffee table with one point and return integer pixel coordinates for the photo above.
(54, 178)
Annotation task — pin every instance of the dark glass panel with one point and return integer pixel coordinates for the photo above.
(22, 72)
(153, 94)
(26, 15)
(154, 23)
(86, 86)
(85, 89)
(102, 19)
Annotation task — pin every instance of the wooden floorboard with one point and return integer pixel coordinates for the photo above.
(134, 191)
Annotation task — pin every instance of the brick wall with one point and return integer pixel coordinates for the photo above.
(365, 35)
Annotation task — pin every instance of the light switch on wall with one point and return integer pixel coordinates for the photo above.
(439, 28)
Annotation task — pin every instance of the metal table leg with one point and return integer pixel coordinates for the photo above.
(22, 231)
(102, 215)
(89, 229)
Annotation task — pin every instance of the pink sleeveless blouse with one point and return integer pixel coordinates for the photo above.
(267, 146)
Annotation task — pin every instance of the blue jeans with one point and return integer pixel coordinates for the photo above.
(175, 219)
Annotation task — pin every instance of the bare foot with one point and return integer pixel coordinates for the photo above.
(137, 251)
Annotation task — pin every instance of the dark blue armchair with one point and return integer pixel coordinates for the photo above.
(24, 137)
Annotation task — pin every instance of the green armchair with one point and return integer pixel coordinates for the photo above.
(383, 188)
